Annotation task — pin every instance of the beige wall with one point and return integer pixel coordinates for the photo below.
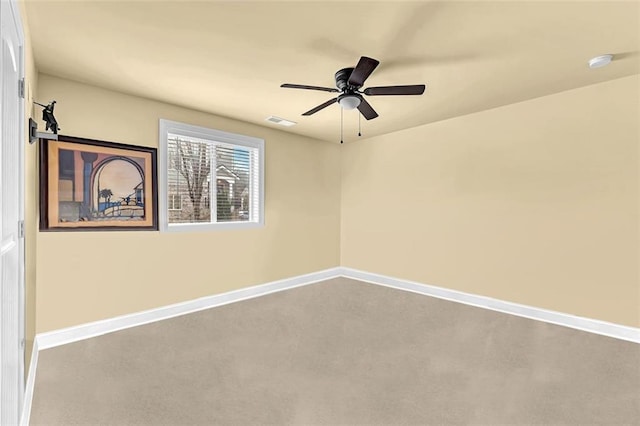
(534, 203)
(88, 276)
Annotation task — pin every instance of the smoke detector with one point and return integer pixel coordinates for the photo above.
(600, 61)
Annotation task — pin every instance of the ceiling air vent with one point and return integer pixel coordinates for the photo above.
(280, 121)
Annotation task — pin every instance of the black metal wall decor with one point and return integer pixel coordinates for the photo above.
(49, 119)
(47, 116)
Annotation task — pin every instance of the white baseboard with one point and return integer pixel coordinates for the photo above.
(97, 328)
(93, 329)
(28, 388)
(617, 331)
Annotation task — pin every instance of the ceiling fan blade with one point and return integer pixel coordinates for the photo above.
(417, 89)
(322, 106)
(302, 86)
(367, 111)
(362, 71)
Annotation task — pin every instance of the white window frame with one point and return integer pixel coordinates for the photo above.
(174, 209)
(173, 127)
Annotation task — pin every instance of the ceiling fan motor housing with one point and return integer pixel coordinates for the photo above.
(342, 78)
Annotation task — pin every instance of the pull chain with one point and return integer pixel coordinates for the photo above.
(359, 133)
(341, 123)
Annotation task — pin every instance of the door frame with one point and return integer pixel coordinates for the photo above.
(14, 10)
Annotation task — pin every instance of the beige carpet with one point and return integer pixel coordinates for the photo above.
(341, 352)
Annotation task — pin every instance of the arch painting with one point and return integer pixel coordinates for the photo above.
(118, 188)
(97, 185)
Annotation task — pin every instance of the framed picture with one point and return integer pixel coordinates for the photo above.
(89, 185)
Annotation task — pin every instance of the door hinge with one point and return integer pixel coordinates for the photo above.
(21, 87)
(21, 229)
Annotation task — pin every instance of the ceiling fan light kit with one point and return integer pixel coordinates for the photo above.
(349, 101)
(349, 81)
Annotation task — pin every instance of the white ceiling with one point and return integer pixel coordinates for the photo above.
(229, 58)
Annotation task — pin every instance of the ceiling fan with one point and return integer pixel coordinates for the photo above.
(348, 83)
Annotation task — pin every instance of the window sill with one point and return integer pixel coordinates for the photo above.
(205, 227)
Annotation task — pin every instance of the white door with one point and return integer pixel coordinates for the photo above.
(11, 212)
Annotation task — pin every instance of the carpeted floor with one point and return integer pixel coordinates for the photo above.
(340, 352)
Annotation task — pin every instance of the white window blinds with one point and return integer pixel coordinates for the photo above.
(211, 180)
(188, 179)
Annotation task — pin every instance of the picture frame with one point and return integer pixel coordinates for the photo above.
(92, 185)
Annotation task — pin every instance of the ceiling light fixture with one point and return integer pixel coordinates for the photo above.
(349, 101)
(600, 61)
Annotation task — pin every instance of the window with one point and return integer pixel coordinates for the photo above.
(209, 179)
(174, 201)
